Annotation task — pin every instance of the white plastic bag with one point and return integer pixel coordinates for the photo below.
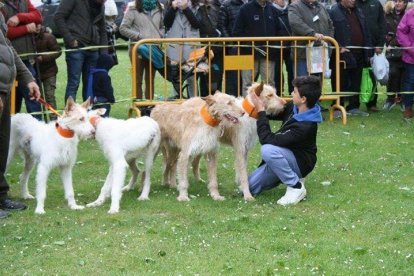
(380, 68)
(317, 58)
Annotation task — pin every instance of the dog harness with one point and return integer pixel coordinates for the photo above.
(208, 119)
(66, 133)
(250, 109)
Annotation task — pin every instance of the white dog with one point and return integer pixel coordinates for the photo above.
(242, 137)
(123, 142)
(50, 145)
(193, 128)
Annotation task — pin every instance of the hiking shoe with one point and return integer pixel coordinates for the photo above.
(4, 214)
(10, 205)
(356, 111)
(292, 196)
(388, 105)
(337, 114)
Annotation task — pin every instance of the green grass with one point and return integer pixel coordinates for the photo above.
(357, 219)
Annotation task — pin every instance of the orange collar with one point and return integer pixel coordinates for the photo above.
(208, 119)
(94, 120)
(249, 108)
(67, 133)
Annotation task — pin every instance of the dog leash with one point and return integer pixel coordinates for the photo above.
(48, 106)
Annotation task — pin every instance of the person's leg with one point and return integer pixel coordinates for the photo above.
(139, 76)
(262, 179)
(301, 68)
(149, 79)
(248, 75)
(91, 57)
(267, 71)
(4, 143)
(408, 86)
(74, 63)
(289, 70)
(279, 77)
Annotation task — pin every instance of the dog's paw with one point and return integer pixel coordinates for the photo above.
(95, 204)
(183, 198)
(126, 188)
(39, 211)
(218, 197)
(142, 198)
(28, 196)
(113, 211)
(249, 197)
(77, 207)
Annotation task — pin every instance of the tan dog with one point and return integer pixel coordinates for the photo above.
(242, 137)
(191, 129)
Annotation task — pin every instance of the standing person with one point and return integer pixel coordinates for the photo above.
(208, 13)
(46, 42)
(82, 24)
(394, 11)
(405, 37)
(290, 153)
(144, 19)
(227, 17)
(350, 30)
(282, 7)
(308, 18)
(11, 67)
(21, 18)
(258, 18)
(374, 16)
(181, 21)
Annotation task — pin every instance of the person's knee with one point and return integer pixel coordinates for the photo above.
(270, 152)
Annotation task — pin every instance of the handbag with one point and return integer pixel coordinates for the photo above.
(157, 55)
(380, 67)
(367, 86)
(317, 58)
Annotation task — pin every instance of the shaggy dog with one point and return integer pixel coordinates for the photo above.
(242, 137)
(190, 129)
(49, 145)
(123, 142)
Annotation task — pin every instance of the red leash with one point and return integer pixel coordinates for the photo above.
(48, 106)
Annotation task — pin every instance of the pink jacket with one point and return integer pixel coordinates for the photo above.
(405, 36)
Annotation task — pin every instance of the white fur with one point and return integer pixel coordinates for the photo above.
(40, 143)
(123, 142)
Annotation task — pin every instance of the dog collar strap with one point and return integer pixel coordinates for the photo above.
(94, 120)
(208, 119)
(249, 108)
(67, 133)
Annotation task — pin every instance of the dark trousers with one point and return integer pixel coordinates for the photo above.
(395, 79)
(280, 76)
(233, 78)
(4, 142)
(350, 81)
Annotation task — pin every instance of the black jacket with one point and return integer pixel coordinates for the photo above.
(299, 137)
(228, 14)
(374, 15)
(257, 21)
(343, 32)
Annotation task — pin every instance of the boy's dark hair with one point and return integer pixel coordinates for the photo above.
(309, 87)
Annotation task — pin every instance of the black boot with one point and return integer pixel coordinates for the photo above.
(10, 205)
(4, 214)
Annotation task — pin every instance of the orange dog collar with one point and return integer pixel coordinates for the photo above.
(208, 119)
(66, 133)
(249, 108)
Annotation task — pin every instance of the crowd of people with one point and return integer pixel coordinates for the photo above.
(361, 27)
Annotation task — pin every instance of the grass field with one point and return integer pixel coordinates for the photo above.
(358, 218)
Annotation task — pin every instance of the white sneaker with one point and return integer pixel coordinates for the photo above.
(292, 196)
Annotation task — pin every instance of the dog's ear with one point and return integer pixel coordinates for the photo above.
(86, 103)
(258, 90)
(100, 111)
(209, 100)
(70, 104)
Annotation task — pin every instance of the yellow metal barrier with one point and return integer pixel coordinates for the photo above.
(230, 62)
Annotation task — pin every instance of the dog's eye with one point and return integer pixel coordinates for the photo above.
(82, 119)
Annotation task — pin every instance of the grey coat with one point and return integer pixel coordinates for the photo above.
(11, 66)
(306, 20)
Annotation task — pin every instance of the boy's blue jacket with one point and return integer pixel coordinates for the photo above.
(297, 133)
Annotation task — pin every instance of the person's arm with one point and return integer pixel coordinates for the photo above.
(126, 28)
(382, 28)
(297, 24)
(23, 23)
(32, 15)
(192, 18)
(240, 24)
(52, 46)
(169, 17)
(25, 77)
(403, 34)
(223, 21)
(64, 10)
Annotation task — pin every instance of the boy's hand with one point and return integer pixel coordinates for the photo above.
(257, 102)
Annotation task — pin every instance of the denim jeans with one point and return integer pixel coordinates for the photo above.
(78, 64)
(22, 92)
(408, 84)
(280, 166)
(301, 68)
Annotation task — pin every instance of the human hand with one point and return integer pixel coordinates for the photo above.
(184, 4)
(39, 59)
(175, 4)
(34, 91)
(31, 28)
(257, 102)
(343, 50)
(74, 44)
(319, 36)
(378, 50)
(13, 21)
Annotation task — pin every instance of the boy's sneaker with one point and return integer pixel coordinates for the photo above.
(356, 111)
(292, 196)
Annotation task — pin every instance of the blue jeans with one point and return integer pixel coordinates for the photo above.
(22, 92)
(408, 84)
(280, 166)
(78, 63)
(301, 68)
